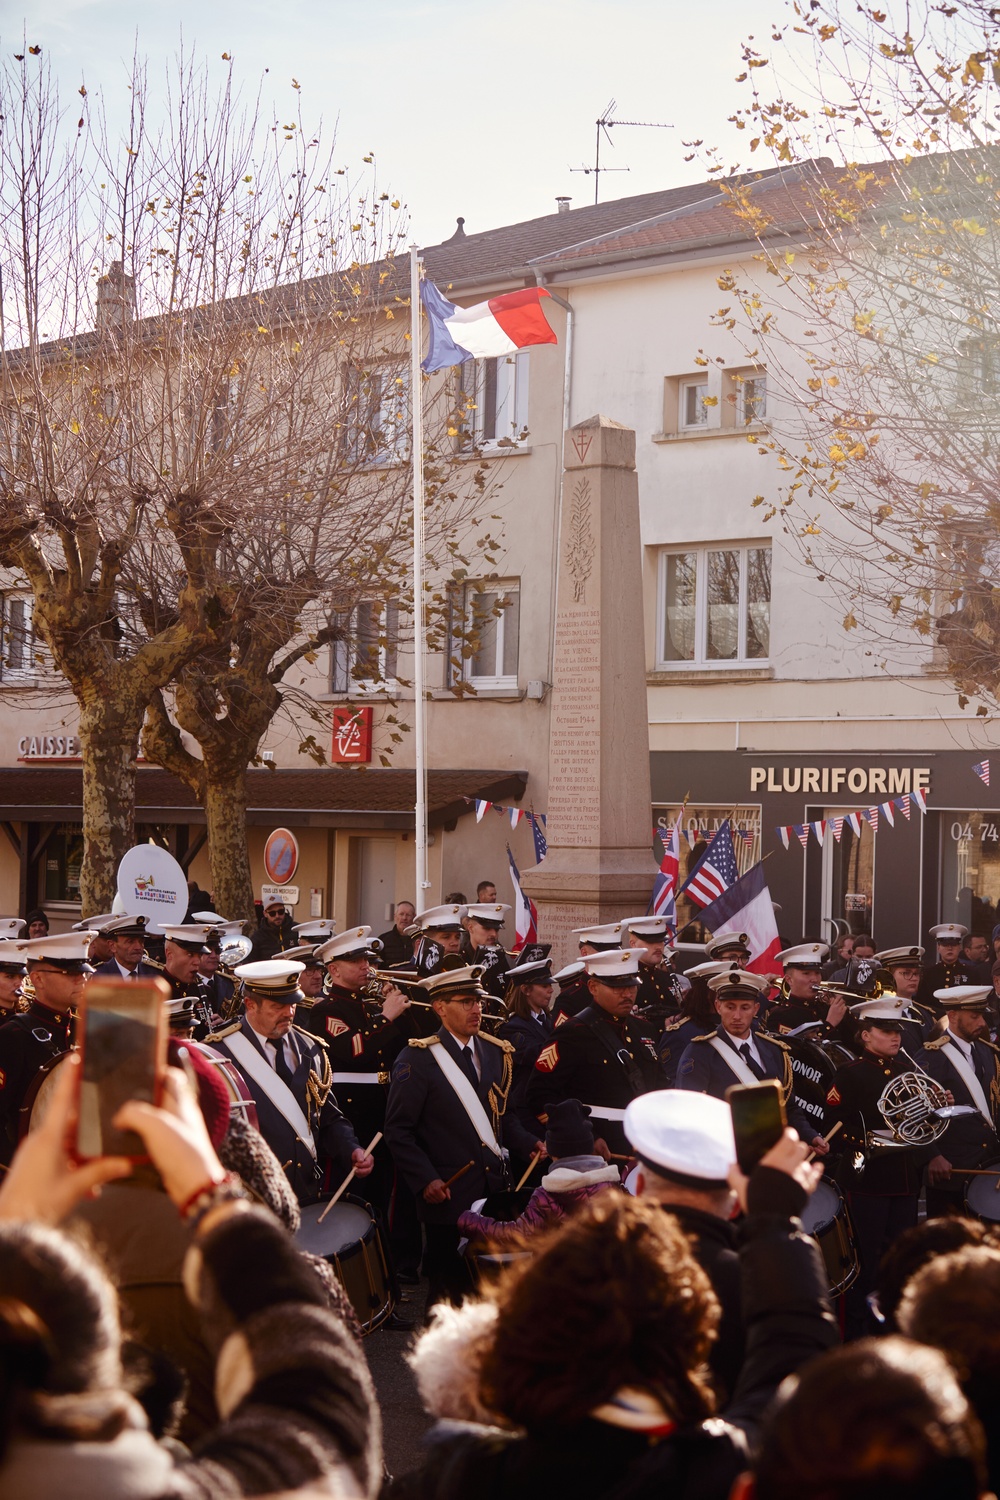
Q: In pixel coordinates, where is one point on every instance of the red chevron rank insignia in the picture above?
(548, 1059)
(336, 1027)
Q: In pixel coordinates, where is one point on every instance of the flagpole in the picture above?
(420, 708)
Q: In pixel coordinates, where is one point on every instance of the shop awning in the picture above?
(354, 797)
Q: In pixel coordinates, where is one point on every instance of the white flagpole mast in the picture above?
(420, 728)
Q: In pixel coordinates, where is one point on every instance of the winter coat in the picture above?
(571, 1182)
(297, 1402)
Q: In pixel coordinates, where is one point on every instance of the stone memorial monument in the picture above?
(599, 865)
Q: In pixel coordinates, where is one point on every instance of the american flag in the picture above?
(714, 872)
(983, 772)
(537, 833)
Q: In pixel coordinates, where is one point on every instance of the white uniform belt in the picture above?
(356, 1078)
(604, 1112)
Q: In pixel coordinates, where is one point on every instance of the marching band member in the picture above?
(289, 1077)
(966, 1063)
(661, 988)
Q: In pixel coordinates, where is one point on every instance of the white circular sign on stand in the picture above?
(152, 884)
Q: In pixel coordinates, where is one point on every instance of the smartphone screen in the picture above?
(123, 1049)
(758, 1120)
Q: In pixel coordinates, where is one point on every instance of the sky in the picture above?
(470, 108)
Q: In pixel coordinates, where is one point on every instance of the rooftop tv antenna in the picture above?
(604, 124)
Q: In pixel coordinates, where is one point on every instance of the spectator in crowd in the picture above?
(198, 900)
(593, 1371)
(976, 958)
(274, 934)
(912, 1250)
(397, 948)
(953, 1303)
(864, 947)
(843, 951)
(36, 924)
(878, 1420)
(68, 1426)
(486, 891)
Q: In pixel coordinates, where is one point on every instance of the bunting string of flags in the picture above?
(871, 815)
(514, 815)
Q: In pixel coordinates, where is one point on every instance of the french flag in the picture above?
(500, 326)
(746, 907)
(525, 912)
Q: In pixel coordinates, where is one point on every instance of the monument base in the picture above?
(570, 892)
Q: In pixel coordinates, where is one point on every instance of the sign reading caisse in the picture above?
(288, 895)
(352, 734)
(281, 856)
(151, 884)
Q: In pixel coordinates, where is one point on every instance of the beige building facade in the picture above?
(760, 707)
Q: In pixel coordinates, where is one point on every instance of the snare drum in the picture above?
(349, 1239)
(240, 1097)
(982, 1195)
(485, 1261)
(827, 1219)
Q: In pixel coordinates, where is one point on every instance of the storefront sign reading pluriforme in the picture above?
(855, 781)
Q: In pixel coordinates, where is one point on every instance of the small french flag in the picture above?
(500, 326)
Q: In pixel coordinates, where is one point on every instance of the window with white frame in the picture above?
(692, 411)
(485, 634)
(976, 370)
(751, 398)
(17, 644)
(714, 605)
(364, 659)
(378, 413)
(494, 395)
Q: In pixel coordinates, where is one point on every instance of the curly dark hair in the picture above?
(613, 1298)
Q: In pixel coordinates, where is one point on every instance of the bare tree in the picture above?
(872, 305)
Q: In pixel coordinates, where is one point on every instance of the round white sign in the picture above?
(152, 884)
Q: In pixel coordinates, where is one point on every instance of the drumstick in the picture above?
(617, 1156)
(976, 1172)
(535, 1159)
(460, 1173)
(828, 1137)
(350, 1177)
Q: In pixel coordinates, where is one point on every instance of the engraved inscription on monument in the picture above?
(580, 540)
(574, 744)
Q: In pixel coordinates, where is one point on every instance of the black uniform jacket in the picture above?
(528, 1038)
(430, 1134)
(968, 1141)
(362, 1047)
(788, 1321)
(853, 1100)
(661, 990)
(944, 977)
(26, 1042)
(702, 1069)
(334, 1138)
(672, 1042)
(602, 1062)
(396, 948)
(573, 997)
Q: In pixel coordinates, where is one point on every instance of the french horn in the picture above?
(915, 1108)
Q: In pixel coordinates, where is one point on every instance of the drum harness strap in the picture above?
(967, 1074)
(275, 1088)
(467, 1097)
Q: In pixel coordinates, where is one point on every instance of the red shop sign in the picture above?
(352, 735)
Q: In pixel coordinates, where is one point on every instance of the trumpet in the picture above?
(373, 990)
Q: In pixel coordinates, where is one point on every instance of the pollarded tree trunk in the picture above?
(109, 738)
(225, 803)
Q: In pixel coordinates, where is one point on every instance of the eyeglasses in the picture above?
(463, 1000)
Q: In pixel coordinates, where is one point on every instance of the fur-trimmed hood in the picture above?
(570, 1174)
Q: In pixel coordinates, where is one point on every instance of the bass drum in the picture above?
(349, 1239)
(827, 1219)
(240, 1097)
(982, 1195)
(38, 1095)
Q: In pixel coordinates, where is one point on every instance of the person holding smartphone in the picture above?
(735, 1052)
